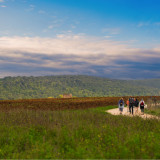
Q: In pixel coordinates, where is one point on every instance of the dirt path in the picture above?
(126, 113)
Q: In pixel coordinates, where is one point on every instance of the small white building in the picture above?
(67, 95)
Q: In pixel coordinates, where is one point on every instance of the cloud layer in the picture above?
(76, 54)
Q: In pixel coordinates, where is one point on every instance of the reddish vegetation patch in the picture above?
(62, 104)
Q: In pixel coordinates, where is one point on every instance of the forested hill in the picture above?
(79, 86)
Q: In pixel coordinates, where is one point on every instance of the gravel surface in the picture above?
(127, 113)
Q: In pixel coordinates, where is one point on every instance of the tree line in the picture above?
(78, 86)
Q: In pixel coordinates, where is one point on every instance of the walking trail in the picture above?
(126, 113)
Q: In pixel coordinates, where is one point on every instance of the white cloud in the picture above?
(31, 8)
(73, 26)
(144, 24)
(50, 27)
(108, 36)
(41, 12)
(157, 23)
(78, 52)
(113, 31)
(70, 44)
(3, 6)
(1, 1)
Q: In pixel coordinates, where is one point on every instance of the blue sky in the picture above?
(109, 38)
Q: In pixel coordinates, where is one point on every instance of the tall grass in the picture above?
(153, 107)
(90, 134)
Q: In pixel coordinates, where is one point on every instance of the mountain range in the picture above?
(77, 85)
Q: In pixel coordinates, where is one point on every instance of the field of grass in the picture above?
(155, 111)
(153, 107)
(68, 134)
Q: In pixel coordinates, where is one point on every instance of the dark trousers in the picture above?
(142, 109)
(131, 108)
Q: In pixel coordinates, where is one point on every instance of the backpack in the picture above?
(131, 100)
(136, 103)
(121, 102)
(142, 103)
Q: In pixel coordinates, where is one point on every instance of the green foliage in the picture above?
(79, 134)
(60, 96)
(78, 86)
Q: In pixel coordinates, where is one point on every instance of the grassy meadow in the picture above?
(153, 108)
(155, 112)
(87, 134)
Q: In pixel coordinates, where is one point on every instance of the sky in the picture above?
(118, 39)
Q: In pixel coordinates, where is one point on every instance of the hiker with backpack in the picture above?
(121, 105)
(127, 103)
(136, 104)
(142, 104)
(131, 104)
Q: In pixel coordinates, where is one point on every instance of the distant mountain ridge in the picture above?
(78, 86)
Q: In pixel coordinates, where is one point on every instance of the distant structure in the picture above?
(67, 95)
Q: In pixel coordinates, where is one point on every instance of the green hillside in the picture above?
(79, 86)
(154, 83)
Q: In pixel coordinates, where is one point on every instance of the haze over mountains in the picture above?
(78, 86)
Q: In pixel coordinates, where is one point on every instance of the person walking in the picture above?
(127, 103)
(131, 104)
(136, 104)
(121, 105)
(142, 104)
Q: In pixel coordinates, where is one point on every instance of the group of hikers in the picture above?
(131, 104)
